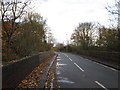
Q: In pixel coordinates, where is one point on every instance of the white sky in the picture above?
(64, 15)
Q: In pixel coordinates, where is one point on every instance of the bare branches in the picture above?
(13, 10)
(83, 35)
(114, 10)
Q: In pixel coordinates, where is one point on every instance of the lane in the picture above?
(70, 75)
(96, 72)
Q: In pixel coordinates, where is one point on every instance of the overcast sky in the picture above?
(64, 15)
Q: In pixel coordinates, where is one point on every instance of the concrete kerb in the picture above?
(46, 73)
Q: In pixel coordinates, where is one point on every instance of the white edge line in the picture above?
(106, 66)
(101, 85)
(79, 67)
(96, 63)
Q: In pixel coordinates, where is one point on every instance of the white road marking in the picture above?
(58, 57)
(51, 86)
(74, 63)
(68, 57)
(96, 63)
(106, 66)
(79, 67)
(101, 85)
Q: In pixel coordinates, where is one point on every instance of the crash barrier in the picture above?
(14, 73)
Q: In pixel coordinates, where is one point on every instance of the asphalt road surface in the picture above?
(74, 71)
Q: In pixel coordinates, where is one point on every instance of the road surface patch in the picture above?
(64, 80)
(58, 72)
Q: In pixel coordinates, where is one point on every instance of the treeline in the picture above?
(94, 37)
(88, 36)
(23, 32)
(94, 41)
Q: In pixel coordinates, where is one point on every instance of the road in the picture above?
(74, 71)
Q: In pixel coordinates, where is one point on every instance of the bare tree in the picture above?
(115, 10)
(83, 35)
(11, 12)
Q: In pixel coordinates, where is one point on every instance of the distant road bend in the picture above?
(74, 71)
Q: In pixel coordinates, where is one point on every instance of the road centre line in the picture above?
(66, 55)
(96, 63)
(70, 59)
(79, 67)
(75, 63)
(99, 64)
(101, 85)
